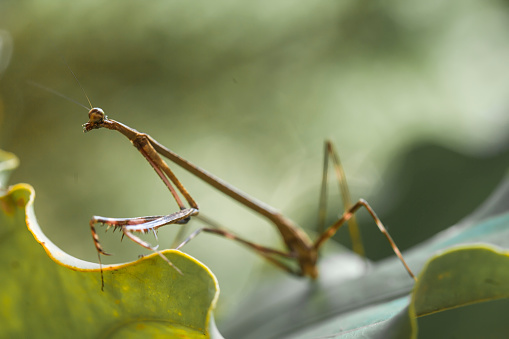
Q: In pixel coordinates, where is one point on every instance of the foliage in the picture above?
(143, 298)
(148, 298)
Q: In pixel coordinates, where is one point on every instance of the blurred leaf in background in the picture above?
(249, 91)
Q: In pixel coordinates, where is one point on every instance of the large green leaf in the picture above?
(59, 296)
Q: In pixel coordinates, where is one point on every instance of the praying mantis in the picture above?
(300, 249)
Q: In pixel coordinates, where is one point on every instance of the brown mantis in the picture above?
(299, 247)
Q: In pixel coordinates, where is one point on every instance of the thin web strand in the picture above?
(56, 93)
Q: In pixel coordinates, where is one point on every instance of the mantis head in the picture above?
(96, 118)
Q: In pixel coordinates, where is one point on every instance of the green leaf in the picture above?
(462, 276)
(352, 298)
(58, 296)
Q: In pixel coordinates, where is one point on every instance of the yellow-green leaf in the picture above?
(59, 296)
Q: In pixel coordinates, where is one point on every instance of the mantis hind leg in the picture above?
(329, 232)
(353, 228)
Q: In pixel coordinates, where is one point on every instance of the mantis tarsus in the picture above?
(299, 247)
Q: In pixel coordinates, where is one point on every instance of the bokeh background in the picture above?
(414, 94)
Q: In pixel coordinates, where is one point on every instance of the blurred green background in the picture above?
(413, 94)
